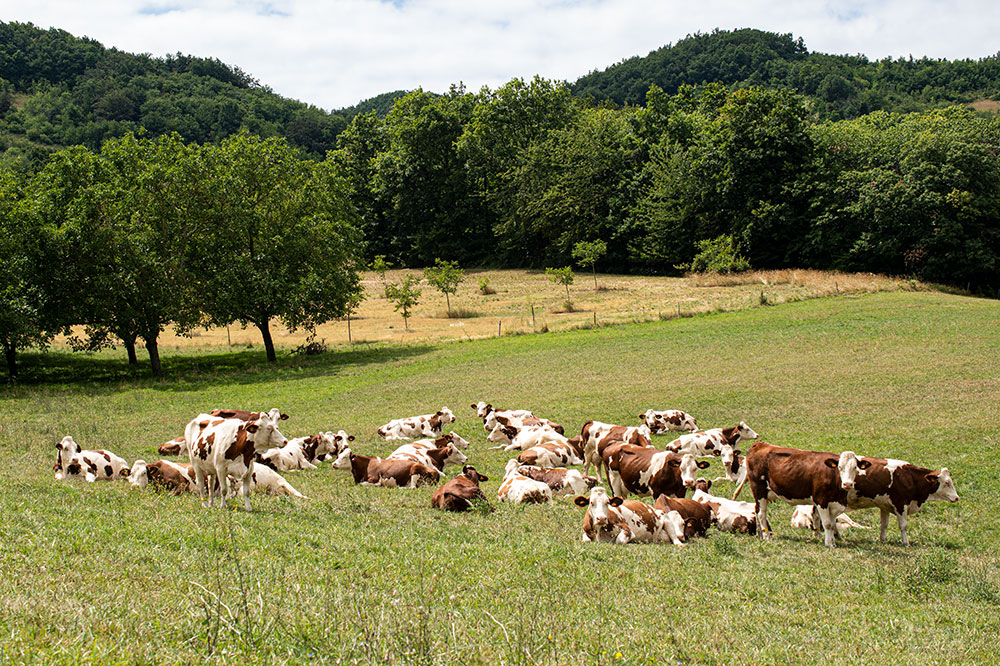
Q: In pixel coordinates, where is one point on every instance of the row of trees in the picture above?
(521, 175)
(149, 233)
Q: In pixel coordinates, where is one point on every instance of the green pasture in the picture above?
(103, 574)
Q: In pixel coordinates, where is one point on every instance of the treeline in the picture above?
(838, 86)
(520, 175)
(57, 90)
(149, 233)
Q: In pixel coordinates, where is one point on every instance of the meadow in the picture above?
(363, 575)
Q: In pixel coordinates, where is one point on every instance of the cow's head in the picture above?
(446, 415)
(327, 444)
(276, 415)
(599, 503)
(454, 455)
(702, 484)
(503, 434)
(344, 460)
(849, 467)
(946, 486)
(264, 433)
(745, 432)
(138, 478)
(511, 467)
(66, 449)
(652, 421)
(730, 459)
(672, 526)
(455, 439)
(341, 440)
(688, 422)
(689, 467)
(482, 409)
(175, 447)
(470, 473)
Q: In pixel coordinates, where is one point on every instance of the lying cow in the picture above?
(489, 415)
(92, 465)
(302, 452)
(596, 435)
(660, 423)
(642, 470)
(518, 488)
(460, 493)
(513, 439)
(730, 515)
(896, 487)
(553, 453)
(429, 454)
(805, 517)
(802, 477)
(163, 474)
(560, 480)
(697, 517)
(710, 442)
(226, 447)
(628, 521)
(411, 427)
(375, 471)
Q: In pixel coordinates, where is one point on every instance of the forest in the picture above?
(214, 209)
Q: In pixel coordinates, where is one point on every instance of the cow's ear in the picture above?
(283, 417)
(674, 463)
(252, 427)
(438, 413)
(932, 477)
(483, 477)
(489, 407)
(616, 501)
(702, 464)
(474, 407)
(831, 463)
(737, 453)
(350, 438)
(581, 500)
(864, 464)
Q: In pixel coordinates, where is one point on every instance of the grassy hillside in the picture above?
(101, 574)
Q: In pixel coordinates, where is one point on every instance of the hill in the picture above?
(841, 86)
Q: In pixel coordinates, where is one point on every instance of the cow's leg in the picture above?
(617, 485)
(246, 488)
(829, 521)
(763, 526)
(590, 457)
(884, 523)
(817, 525)
(902, 519)
(223, 489)
(200, 483)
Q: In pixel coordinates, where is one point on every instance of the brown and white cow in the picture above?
(710, 442)
(561, 480)
(489, 415)
(805, 517)
(553, 453)
(430, 454)
(224, 447)
(301, 452)
(899, 488)
(697, 516)
(460, 493)
(802, 477)
(511, 438)
(628, 521)
(178, 478)
(730, 515)
(411, 427)
(375, 471)
(97, 465)
(641, 470)
(178, 445)
(518, 488)
(662, 422)
(596, 435)
(733, 465)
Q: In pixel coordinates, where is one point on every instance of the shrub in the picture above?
(717, 255)
(485, 288)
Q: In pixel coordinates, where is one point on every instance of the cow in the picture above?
(697, 516)
(798, 476)
(710, 442)
(300, 453)
(553, 454)
(163, 474)
(460, 493)
(561, 480)
(730, 515)
(899, 488)
(805, 517)
(92, 465)
(266, 480)
(733, 465)
(514, 439)
(596, 435)
(375, 471)
(411, 427)
(662, 422)
(223, 447)
(518, 488)
(627, 521)
(489, 415)
(430, 454)
(646, 471)
(178, 445)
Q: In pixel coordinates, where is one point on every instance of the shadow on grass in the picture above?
(194, 371)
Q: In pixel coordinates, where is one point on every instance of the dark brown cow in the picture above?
(459, 493)
(646, 471)
(374, 471)
(896, 487)
(697, 516)
(597, 435)
(178, 478)
(802, 477)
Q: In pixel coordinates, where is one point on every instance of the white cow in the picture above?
(518, 488)
(92, 465)
(410, 427)
(710, 442)
(661, 422)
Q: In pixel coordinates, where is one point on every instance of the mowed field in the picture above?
(103, 574)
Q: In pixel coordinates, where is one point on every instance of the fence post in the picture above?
(532, 316)
(499, 322)
(349, 328)
(595, 318)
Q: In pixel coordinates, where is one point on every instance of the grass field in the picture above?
(101, 574)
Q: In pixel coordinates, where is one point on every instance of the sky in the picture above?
(335, 53)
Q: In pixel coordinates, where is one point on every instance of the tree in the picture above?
(405, 296)
(277, 239)
(588, 253)
(445, 276)
(380, 266)
(563, 276)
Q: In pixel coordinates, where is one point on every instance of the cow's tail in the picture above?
(289, 490)
(739, 488)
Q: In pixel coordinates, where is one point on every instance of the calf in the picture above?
(660, 423)
(802, 477)
(459, 493)
(630, 520)
(163, 474)
(518, 488)
(429, 455)
(411, 427)
(374, 471)
(697, 517)
(224, 447)
(553, 454)
(646, 471)
(730, 515)
(896, 487)
(805, 517)
(710, 442)
(92, 465)
(597, 435)
(561, 480)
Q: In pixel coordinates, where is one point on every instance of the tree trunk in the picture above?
(130, 348)
(11, 353)
(154, 355)
(265, 332)
(448, 301)
(593, 267)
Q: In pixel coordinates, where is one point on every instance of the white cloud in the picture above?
(336, 53)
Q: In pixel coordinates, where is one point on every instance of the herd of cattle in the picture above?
(234, 452)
